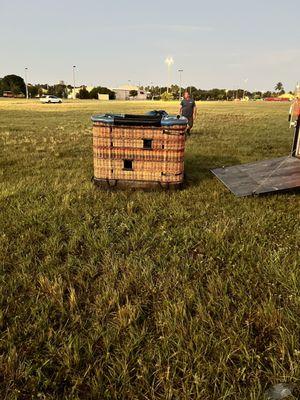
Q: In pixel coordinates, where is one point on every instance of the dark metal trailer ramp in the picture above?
(268, 176)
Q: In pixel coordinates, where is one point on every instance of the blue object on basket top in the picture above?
(152, 118)
(170, 120)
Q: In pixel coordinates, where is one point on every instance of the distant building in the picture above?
(123, 93)
(279, 98)
(287, 97)
(103, 96)
(8, 93)
(89, 88)
(77, 90)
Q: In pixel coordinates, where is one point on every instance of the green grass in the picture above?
(144, 295)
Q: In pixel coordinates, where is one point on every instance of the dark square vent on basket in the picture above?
(127, 165)
(147, 143)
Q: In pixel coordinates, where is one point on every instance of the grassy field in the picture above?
(144, 295)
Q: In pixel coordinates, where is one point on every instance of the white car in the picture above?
(50, 99)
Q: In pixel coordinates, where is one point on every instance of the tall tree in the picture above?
(13, 83)
(167, 96)
(133, 93)
(83, 94)
(33, 90)
(279, 87)
(102, 90)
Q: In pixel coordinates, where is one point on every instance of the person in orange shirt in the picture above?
(294, 120)
(294, 111)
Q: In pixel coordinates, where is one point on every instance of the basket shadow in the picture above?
(197, 167)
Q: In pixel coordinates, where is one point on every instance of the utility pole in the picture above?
(297, 90)
(26, 82)
(180, 72)
(74, 87)
(246, 80)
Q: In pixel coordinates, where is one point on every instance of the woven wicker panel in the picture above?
(136, 154)
(142, 170)
(164, 162)
(165, 143)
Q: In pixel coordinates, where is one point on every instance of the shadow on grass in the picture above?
(197, 167)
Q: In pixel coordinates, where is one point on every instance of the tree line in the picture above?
(16, 85)
(93, 94)
(174, 92)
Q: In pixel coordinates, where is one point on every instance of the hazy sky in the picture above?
(218, 43)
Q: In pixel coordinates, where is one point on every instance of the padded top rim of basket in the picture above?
(167, 120)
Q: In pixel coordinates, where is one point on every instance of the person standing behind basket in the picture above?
(188, 109)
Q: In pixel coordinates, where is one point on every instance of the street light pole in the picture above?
(297, 90)
(180, 72)
(246, 80)
(26, 83)
(74, 87)
(169, 61)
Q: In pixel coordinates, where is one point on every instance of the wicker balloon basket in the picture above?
(138, 156)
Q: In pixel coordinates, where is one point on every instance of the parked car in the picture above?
(50, 99)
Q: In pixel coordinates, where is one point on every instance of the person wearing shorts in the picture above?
(188, 109)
